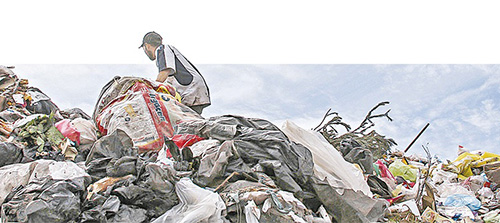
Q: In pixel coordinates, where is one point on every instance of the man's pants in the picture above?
(198, 108)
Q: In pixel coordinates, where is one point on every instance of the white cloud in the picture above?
(485, 118)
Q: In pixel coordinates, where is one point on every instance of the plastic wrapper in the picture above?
(486, 192)
(440, 176)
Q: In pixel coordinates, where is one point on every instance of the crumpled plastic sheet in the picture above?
(21, 174)
(153, 191)
(257, 202)
(201, 147)
(44, 200)
(252, 141)
(10, 153)
(41, 103)
(440, 176)
(213, 164)
(144, 186)
(114, 145)
(196, 205)
(112, 210)
(351, 206)
(378, 186)
(328, 162)
(338, 184)
(405, 206)
(74, 113)
(354, 152)
(43, 191)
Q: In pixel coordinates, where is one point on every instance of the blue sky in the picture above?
(461, 102)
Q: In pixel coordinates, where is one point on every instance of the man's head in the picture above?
(150, 42)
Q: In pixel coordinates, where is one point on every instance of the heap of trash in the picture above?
(143, 156)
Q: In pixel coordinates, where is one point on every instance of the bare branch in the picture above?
(324, 117)
(367, 122)
(328, 129)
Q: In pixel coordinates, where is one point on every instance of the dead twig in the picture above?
(226, 180)
(328, 129)
(367, 122)
(422, 185)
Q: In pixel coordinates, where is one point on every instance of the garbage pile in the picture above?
(143, 156)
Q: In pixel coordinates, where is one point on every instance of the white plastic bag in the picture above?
(22, 173)
(87, 129)
(196, 205)
(328, 162)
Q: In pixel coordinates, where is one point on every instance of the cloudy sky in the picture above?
(280, 60)
(461, 102)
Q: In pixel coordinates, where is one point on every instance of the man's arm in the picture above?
(163, 75)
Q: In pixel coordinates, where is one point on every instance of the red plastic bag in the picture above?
(68, 130)
(384, 171)
(184, 140)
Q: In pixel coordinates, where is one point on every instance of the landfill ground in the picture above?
(143, 156)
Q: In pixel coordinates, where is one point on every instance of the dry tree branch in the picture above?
(367, 122)
(328, 129)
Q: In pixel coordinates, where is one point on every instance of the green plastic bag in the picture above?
(398, 168)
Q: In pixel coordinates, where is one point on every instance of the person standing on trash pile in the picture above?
(174, 68)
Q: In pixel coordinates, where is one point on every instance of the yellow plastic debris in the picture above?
(462, 164)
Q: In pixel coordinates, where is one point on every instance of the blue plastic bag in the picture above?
(459, 200)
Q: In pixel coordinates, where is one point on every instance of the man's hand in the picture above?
(163, 75)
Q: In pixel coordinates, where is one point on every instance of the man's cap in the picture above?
(152, 38)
